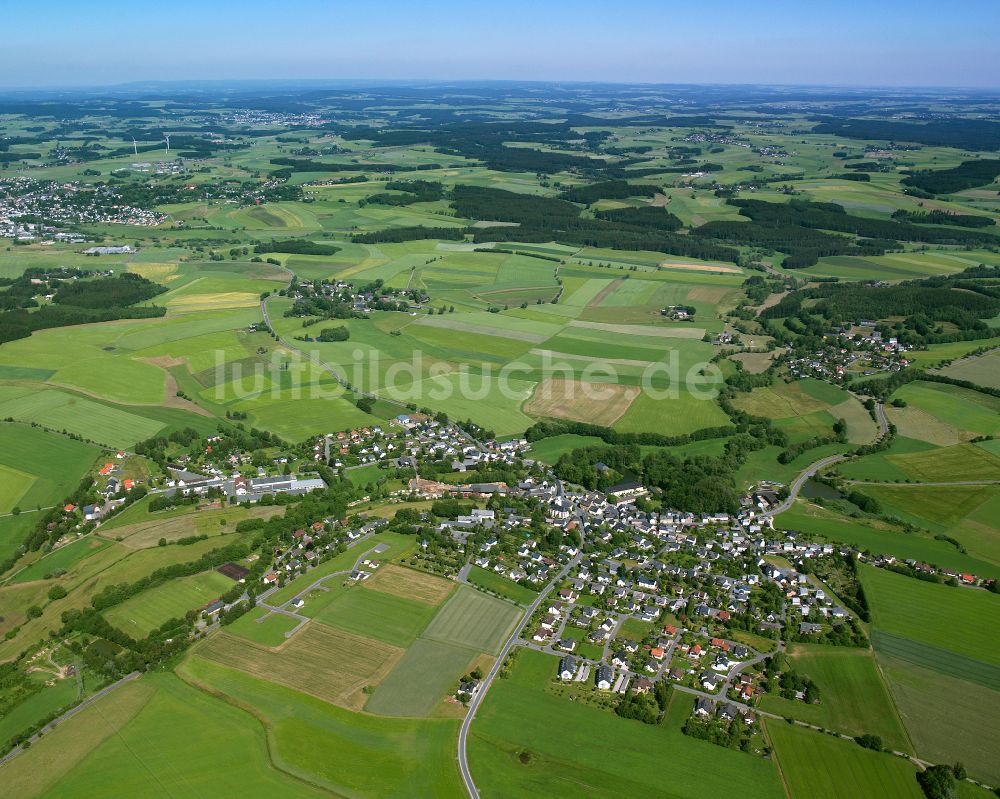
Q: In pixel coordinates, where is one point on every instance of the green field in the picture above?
(959, 620)
(879, 538)
(350, 754)
(263, 627)
(983, 370)
(492, 581)
(144, 612)
(854, 698)
(474, 620)
(373, 614)
(193, 743)
(421, 679)
(818, 766)
(63, 558)
(960, 408)
(528, 743)
(947, 719)
(46, 465)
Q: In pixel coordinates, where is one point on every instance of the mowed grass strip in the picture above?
(318, 660)
(956, 619)
(421, 679)
(410, 584)
(818, 766)
(475, 620)
(141, 614)
(374, 614)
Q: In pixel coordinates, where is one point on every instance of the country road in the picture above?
(463, 733)
(813, 468)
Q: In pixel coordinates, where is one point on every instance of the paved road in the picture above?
(813, 468)
(70, 713)
(463, 762)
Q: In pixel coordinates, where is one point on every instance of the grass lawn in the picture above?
(421, 679)
(854, 698)
(261, 628)
(349, 754)
(141, 614)
(818, 766)
(501, 585)
(957, 619)
(475, 620)
(526, 742)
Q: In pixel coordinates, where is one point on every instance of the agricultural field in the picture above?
(816, 765)
(958, 620)
(879, 537)
(335, 748)
(330, 664)
(474, 620)
(526, 741)
(983, 370)
(854, 699)
(315, 262)
(38, 468)
(947, 718)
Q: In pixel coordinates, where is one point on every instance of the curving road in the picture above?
(813, 468)
(463, 733)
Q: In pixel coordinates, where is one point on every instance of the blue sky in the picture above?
(878, 42)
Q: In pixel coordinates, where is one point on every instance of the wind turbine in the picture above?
(166, 138)
(135, 146)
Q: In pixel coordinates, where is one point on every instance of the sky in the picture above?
(849, 42)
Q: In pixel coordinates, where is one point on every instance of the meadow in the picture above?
(527, 742)
(263, 627)
(959, 620)
(375, 614)
(349, 754)
(39, 468)
(854, 699)
(818, 766)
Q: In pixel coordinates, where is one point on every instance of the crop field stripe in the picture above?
(936, 659)
(473, 619)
